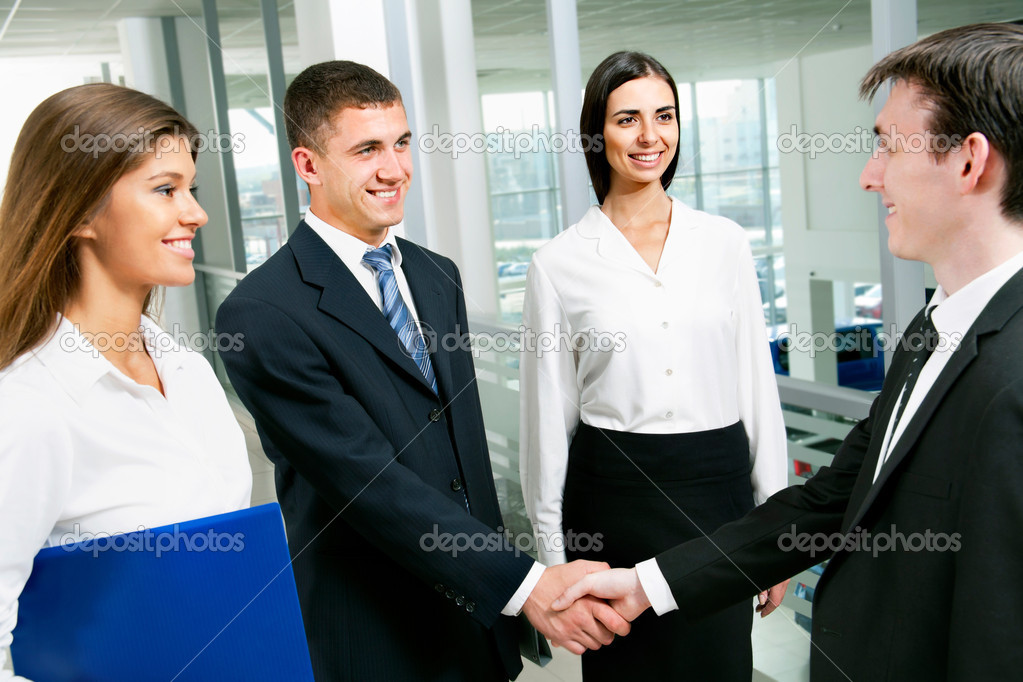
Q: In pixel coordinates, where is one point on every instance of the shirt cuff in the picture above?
(656, 587)
(518, 600)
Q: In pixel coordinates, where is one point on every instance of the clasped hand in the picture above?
(585, 622)
(622, 589)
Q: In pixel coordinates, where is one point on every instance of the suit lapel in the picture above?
(435, 311)
(959, 361)
(344, 299)
(1003, 305)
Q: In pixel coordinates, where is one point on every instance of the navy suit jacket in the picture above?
(371, 466)
(946, 609)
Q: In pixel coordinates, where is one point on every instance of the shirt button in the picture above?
(456, 485)
(668, 372)
(657, 284)
(668, 415)
(664, 325)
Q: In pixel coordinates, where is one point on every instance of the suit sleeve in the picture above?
(286, 383)
(986, 624)
(749, 555)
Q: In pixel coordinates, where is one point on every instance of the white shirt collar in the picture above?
(614, 245)
(348, 248)
(595, 224)
(77, 365)
(957, 312)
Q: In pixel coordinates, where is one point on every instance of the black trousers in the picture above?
(635, 495)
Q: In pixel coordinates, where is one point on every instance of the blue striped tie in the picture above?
(397, 313)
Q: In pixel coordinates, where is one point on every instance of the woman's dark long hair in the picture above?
(610, 74)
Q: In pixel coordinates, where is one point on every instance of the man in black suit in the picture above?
(382, 468)
(921, 510)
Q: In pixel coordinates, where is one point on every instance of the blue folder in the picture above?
(209, 599)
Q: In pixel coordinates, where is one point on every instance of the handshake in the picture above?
(584, 604)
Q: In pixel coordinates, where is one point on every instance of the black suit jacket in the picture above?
(948, 609)
(371, 466)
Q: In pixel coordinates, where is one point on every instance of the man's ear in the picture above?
(972, 160)
(306, 162)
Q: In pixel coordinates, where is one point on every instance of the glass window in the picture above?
(257, 164)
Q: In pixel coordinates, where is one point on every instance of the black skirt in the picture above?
(630, 496)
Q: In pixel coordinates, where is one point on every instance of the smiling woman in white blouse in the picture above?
(656, 417)
(106, 424)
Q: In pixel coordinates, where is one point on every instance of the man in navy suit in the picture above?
(921, 512)
(377, 435)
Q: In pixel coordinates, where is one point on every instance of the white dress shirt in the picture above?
(677, 351)
(350, 250)
(952, 315)
(86, 449)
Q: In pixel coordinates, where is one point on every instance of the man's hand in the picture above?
(587, 624)
(770, 599)
(620, 586)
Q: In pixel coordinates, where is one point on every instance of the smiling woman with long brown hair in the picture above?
(106, 424)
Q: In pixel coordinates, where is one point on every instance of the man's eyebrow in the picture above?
(376, 143)
(365, 143)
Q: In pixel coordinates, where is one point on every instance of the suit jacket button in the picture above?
(460, 599)
(439, 587)
(470, 607)
(456, 485)
(450, 594)
(435, 415)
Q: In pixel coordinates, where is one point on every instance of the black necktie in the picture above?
(921, 343)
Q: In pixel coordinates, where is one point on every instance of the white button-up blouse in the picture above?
(85, 449)
(611, 343)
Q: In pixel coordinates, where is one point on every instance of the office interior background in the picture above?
(773, 137)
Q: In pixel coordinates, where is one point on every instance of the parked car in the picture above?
(860, 360)
(868, 303)
(512, 270)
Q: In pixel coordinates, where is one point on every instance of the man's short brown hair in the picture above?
(320, 92)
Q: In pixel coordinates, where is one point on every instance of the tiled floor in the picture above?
(781, 653)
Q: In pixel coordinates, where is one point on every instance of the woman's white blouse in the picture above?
(609, 342)
(84, 448)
